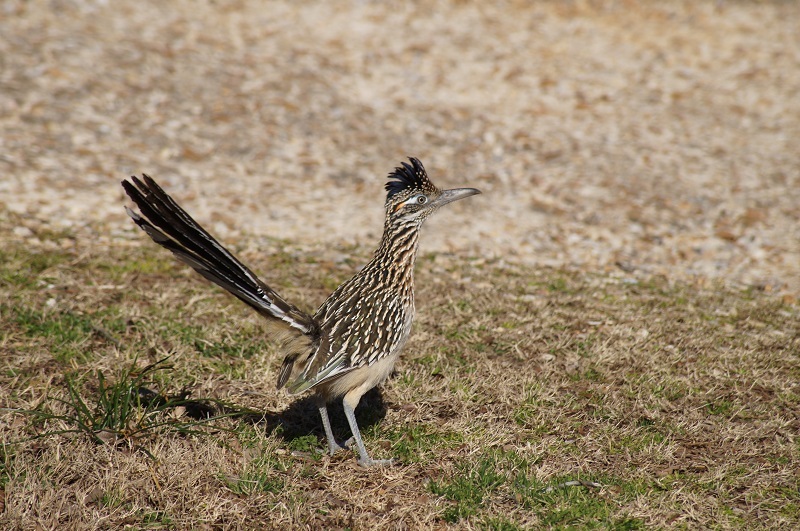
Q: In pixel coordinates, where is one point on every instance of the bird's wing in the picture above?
(357, 329)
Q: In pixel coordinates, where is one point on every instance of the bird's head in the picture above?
(411, 196)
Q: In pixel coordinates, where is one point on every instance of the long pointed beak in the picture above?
(448, 196)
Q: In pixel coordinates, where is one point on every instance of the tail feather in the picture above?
(171, 227)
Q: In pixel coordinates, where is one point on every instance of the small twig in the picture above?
(155, 479)
(105, 334)
(577, 483)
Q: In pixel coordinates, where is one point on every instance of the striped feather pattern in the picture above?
(369, 316)
(364, 323)
(171, 227)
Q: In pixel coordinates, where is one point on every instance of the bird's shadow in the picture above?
(300, 419)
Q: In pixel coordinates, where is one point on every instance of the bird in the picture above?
(351, 343)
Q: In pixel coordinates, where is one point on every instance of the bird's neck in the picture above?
(399, 247)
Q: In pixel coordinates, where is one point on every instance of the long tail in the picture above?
(171, 227)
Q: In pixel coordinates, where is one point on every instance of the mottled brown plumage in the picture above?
(351, 343)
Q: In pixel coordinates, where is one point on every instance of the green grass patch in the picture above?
(67, 334)
(260, 475)
(28, 269)
(309, 444)
(416, 443)
(560, 503)
(121, 410)
(468, 487)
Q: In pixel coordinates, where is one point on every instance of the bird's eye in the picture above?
(422, 199)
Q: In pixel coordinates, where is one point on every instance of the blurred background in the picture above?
(611, 136)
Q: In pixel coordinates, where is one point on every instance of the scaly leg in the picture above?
(350, 403)
(333, 446)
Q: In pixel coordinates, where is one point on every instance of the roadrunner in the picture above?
(351, 343)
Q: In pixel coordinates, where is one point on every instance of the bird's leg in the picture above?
(333, 446)
(350, 402)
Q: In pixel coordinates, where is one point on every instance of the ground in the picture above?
(617, 308)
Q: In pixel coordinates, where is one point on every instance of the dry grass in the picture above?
(681, 400)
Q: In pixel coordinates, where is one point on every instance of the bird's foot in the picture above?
(369, 462)
(335, 446)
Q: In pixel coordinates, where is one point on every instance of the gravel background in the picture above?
(660, 139)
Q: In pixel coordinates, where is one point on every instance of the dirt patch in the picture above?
(656, 139)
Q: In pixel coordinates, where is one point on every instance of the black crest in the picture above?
(408, 177)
